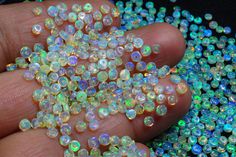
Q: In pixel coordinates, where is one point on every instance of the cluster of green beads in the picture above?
(209, 68)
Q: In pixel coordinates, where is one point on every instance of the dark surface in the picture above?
(223, 11)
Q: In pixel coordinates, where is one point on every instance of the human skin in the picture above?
(16, 93)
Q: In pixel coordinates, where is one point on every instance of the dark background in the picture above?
(223, 11)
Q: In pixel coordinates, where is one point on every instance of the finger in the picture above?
(38, 146)
(14, 81)
(17, 21)
(21, 106)
(114, 125)
(170, 40)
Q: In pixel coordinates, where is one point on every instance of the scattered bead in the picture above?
(149, 121)
(37, 11)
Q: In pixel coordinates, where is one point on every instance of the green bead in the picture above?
(74, 146)
(102, 76)
(181, 123)
(161, 110)
(81, 96)
(146, 50)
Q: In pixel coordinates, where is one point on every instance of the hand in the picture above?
(16, 93)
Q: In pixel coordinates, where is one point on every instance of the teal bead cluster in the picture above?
(209, 68)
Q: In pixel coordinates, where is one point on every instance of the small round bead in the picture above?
(74, 146)
(25, 125)
(181, 88)
(149, 121)
(65, 140)
(146, 50)
(37, 11)
(161, 110)
(104, 139)
(53, 11)
(131, 114)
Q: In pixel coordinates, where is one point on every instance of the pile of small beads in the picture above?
(209, 68)
(82, 69)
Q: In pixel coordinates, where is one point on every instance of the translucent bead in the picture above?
(65, 140)
(104, 139)
(72, 17)
(103, 112)
(159, 89)
(161, 98)
(102, 76)
(80, 126)
(107, 20)
(68, 153)
(175, 79)
(88, 8)
(74, 146)
(98, 26)
(94, 125)
(105, 9)
(172, 100)
(169, 89)
(93, 142)
(83, 153)
(181, 88)
(161, 110)
(55, 66)
(37, 11)
(149, 106)
(25, 52)
(65, 129)
(146, 50)
(126, 141)
(149, 121)
(136, 56)
(52, 11)
(138, 42)
(102, 64)
(36, 29)
(72, 61)
(81, 96)
(113, 74)
(131, 114)
(115, 12)
(97, 15)
(25, 125)
(52, 132)
(125, 74)
(29, 75)
(79, 24)
(114, 140)
(49, 23)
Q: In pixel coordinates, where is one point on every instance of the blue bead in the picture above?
(228, 128)
(159, 151)
(227, 57)
(214, 101)
(83, 85)
(91, 91)
(196, 149)
(129, 66)
(167, 145)
(207, 32)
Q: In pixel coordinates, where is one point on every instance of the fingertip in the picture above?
(170, 40)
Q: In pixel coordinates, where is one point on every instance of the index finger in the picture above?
(17, 21)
